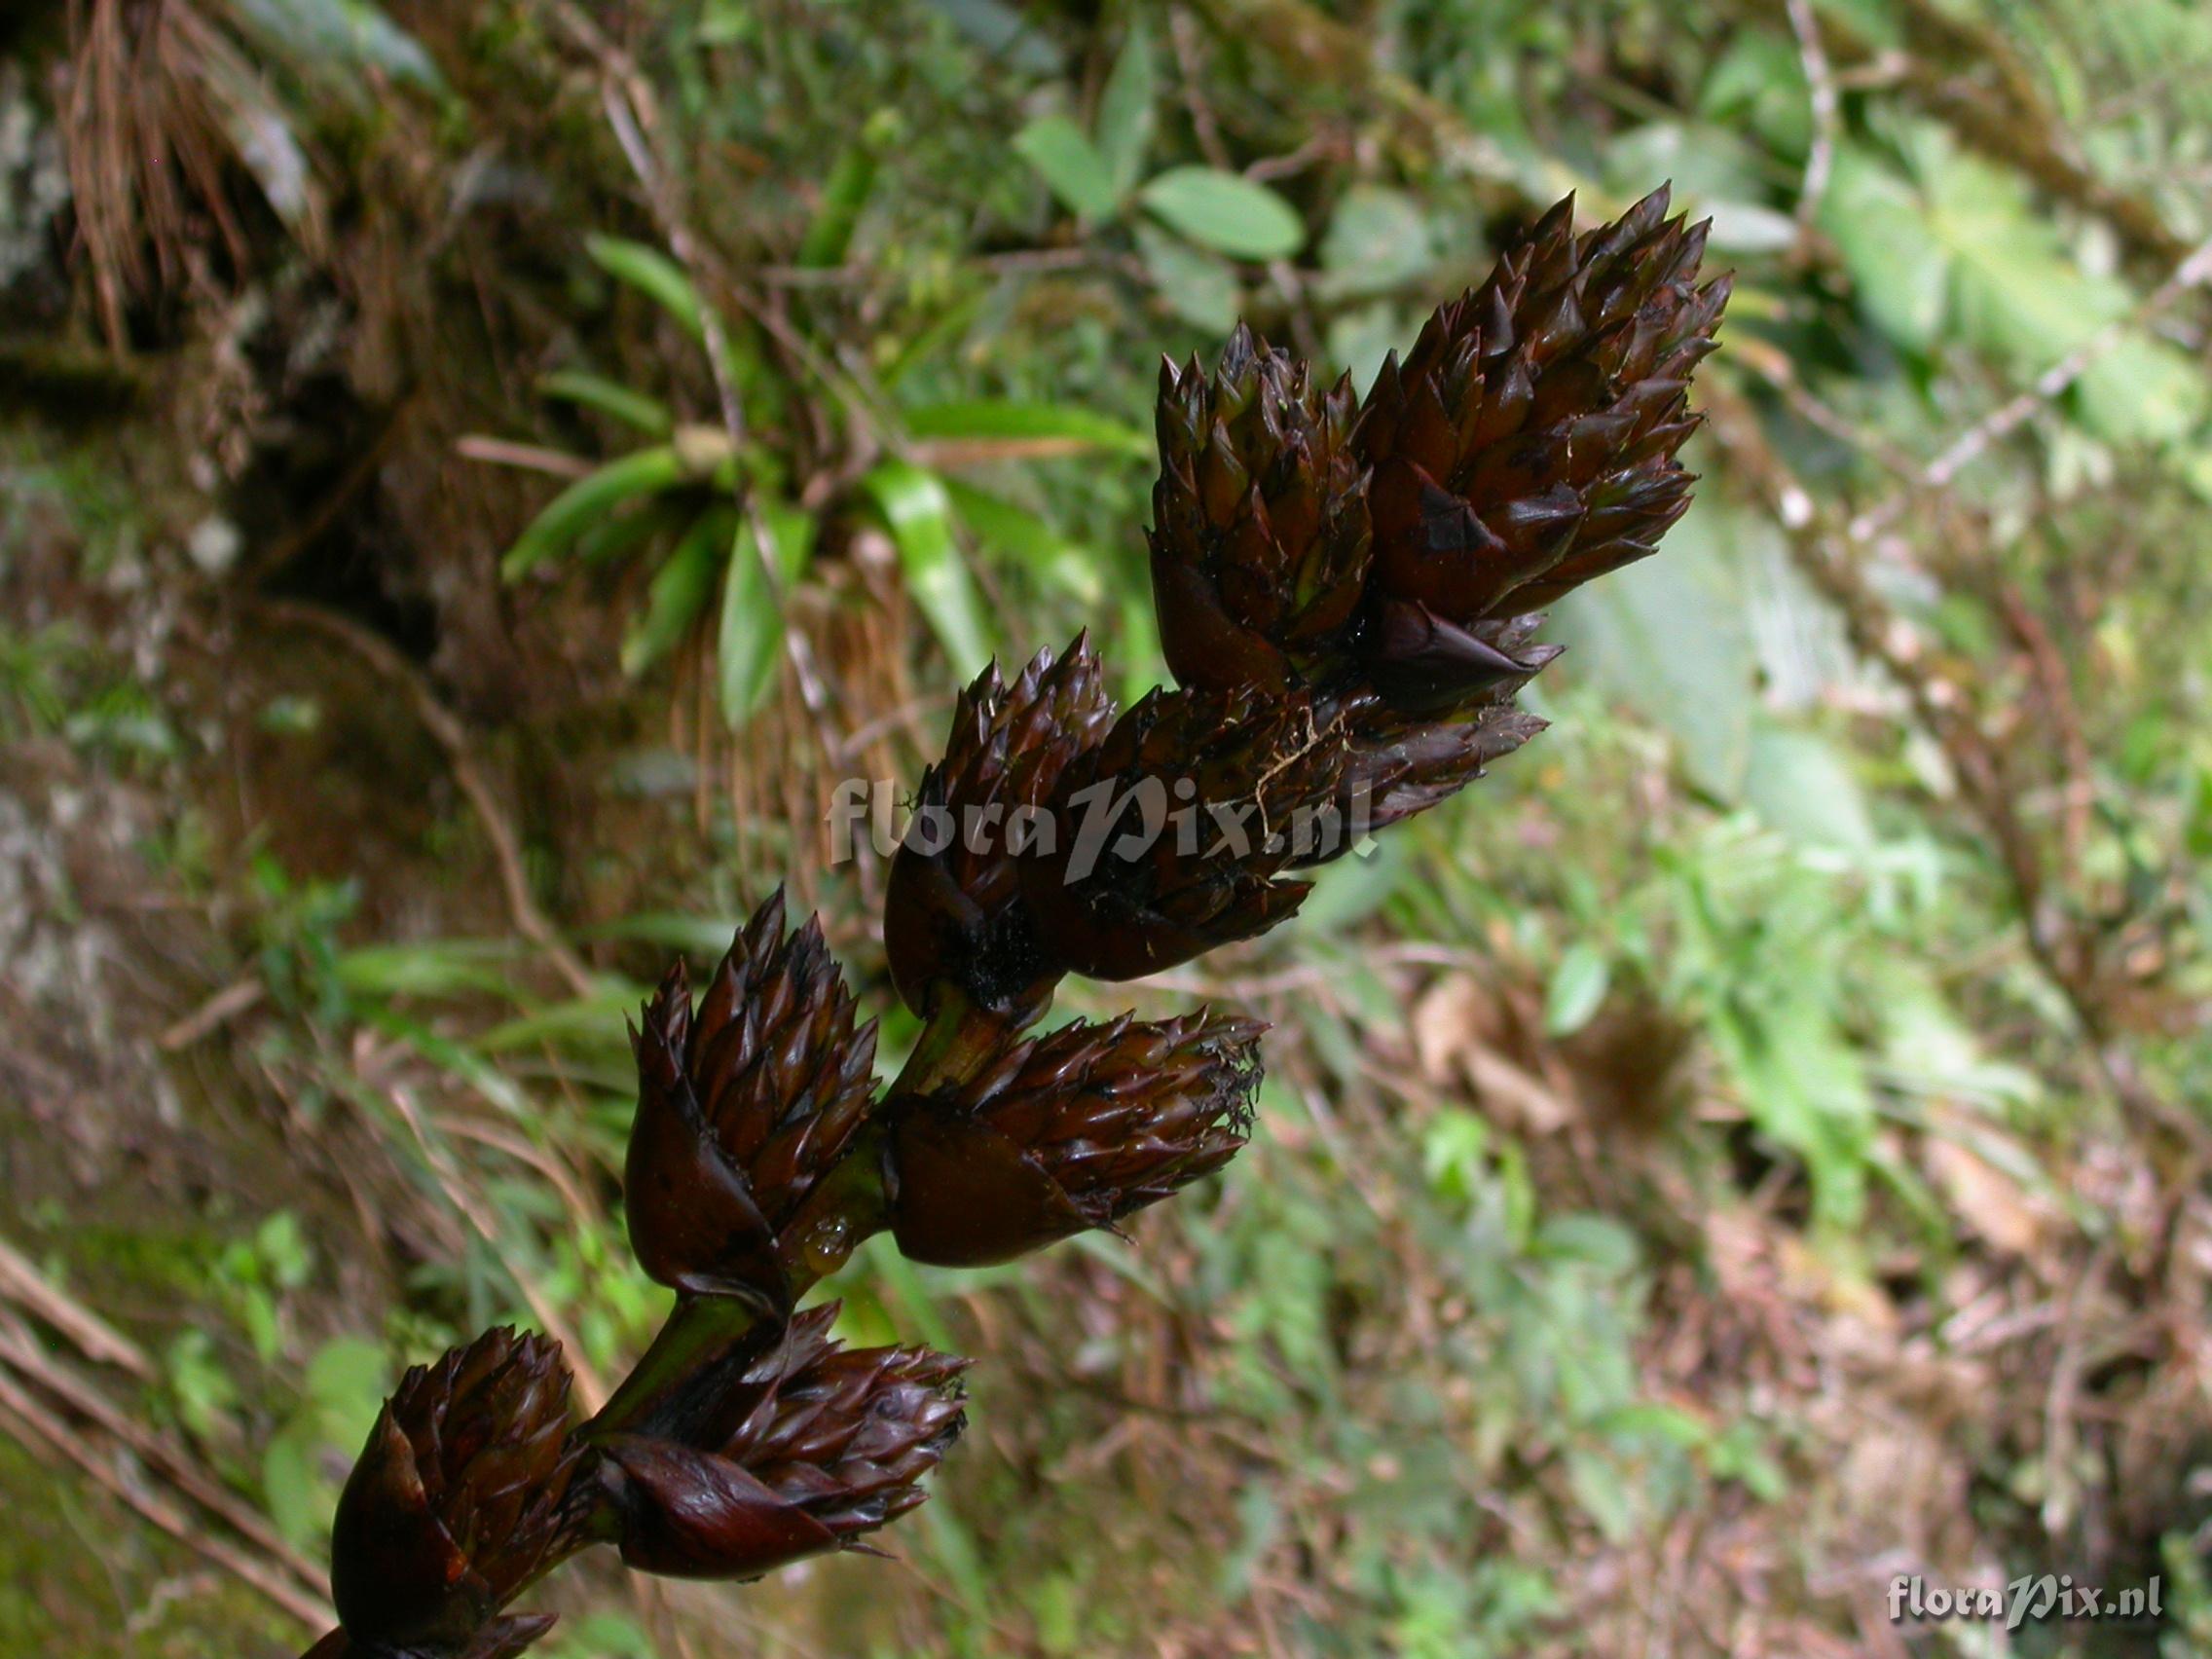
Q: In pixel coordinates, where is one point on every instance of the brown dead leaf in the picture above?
(1454, 1040)
(1993, 1204)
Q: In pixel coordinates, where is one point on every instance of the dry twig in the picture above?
(1820, 162)
(22, 1351)
(21, 1283)
(32, 1425)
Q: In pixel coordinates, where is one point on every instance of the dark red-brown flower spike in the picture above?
(1347, 596)
(1171, 832)
(1391, 568)
(953, 914)
(1527, 443)
(830, 1444)
(742, 1108)
(463, 1491)
(1077, 1129)
(1260, 534)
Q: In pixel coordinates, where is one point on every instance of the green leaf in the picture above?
(1350, 891)
(622, 532)
(1955, 243)
(1198, 287)
(1125, 110)
(346, 1380)
(680, 592)
(1902, 272)
(1804, 788)
(1704, 164)
(1001, 418)
(653, 273)
(351, 34)
(751, 644)
(1225, 213)
(428, 968)
(1025, 538)
(608, 397)
(293, 1488)
(1070, 163)
(2141, 391)
(583, 504)
(918, 513)
(1669, 638)
(1597, 1240)
(1804, 1084)
(1758, 84)
(1577, 987)
(851, 181)
(1748, 227)
(1606, 1497)
(1377, 240)
(601, 1636)
(1361, 338)
(1005, 36)
(575, 1025)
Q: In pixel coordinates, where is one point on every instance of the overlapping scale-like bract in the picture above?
(463, 1491)
(743, 1105)
(1172, 830)
(953, 913)
(1526, 442)
(1077, 1129)
(827, 1444)
(1391, 565)
(1260, 534)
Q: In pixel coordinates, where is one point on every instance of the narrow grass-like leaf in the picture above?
(1003, 418)
(749, 642)
(610, 398)
(429, 968)
(680, 591)
(852, 180)
(1027, 540)
(583, 504)
(653, 273)
(918, 513)
(624, 533)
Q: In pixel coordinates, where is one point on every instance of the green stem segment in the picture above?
(702, 1334)
(958, 1039)
(673, 1387)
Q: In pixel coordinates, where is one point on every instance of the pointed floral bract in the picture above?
(461, 1492)
(1526, 442)
(1172, 830)
(1260, 534)
(1077, 1129)
(953, 914)
(743, 1105)
(828, 1444)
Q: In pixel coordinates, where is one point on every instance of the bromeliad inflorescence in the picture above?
(1347, 592)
